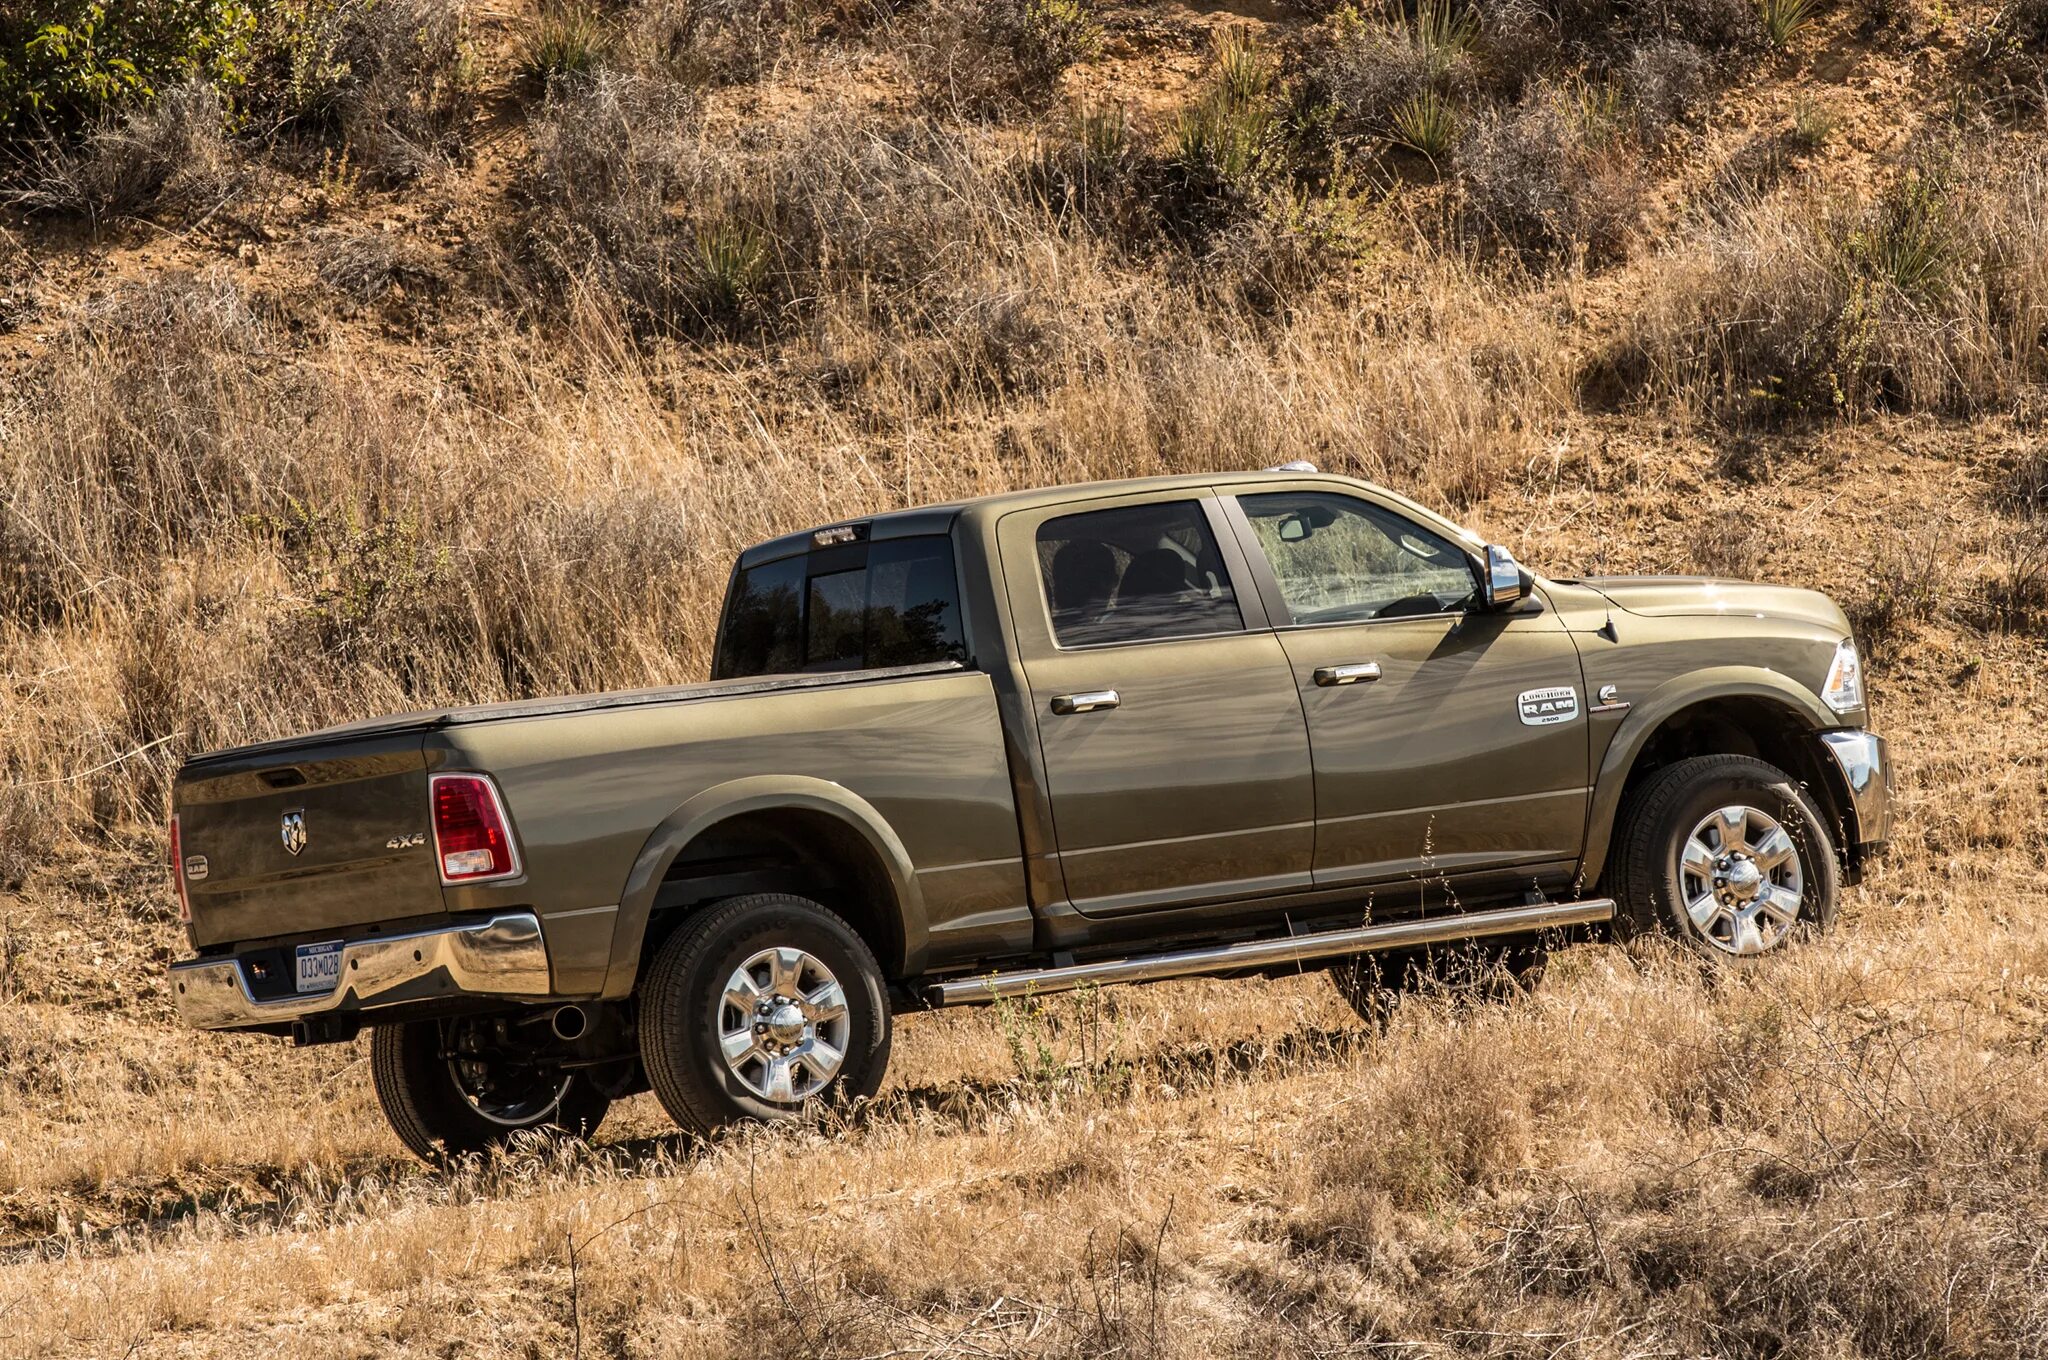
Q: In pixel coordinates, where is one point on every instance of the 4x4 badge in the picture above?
(1542, 707)
(295, 831)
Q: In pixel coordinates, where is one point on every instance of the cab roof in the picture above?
(938, 519)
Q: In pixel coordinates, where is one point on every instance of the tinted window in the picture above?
(894, 603)
(1339, 559)
(763, 632)
(1137, 573)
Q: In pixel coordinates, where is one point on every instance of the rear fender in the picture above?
(762, 793)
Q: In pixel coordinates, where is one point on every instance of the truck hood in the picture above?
(1701, 596)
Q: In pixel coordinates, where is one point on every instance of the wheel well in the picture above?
(1744, 727)
(791, 850)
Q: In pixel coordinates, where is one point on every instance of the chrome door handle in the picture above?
(1347, 675)
(1087, 701)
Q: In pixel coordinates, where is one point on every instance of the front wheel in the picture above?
(450, 1087)
(758, 1008)
(1728, 853)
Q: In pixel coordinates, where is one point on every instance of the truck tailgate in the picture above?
(305, 839)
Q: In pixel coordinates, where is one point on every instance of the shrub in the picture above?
(1380, 72)
(365, 266)
(1665, 84)
(1549, 179)
(1924, 297)
(1223, 142)
(64, 63)
(392, 80)
(608, 155)
(701, 41)
(566, 39)
(171, 151)
(2007, 53)
(987, 55)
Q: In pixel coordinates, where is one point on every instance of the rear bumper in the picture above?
(504, 957)
(1867, 775)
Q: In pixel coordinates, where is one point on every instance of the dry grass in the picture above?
(502, 434)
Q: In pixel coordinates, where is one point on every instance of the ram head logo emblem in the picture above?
(295, 830)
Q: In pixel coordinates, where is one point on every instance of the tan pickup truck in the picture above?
(1235, 724)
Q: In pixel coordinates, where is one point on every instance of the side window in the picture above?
(913, 603)
(1133, 574)
(1339, 559)
(893, 603)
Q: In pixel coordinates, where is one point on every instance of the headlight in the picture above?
(1843, 691)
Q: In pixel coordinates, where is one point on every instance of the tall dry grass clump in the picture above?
(1930, 294)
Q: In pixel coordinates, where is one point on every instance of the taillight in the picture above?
(472, 835)
(178, 871)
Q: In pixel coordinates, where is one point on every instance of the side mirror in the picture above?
(1505, 582)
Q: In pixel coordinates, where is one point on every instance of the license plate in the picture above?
(320, 966)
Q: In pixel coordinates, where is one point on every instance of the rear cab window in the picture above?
(843, 607)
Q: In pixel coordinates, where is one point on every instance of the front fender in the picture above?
(760, 793)
(1667, 701)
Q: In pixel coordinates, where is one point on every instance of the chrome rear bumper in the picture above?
(502, 957)
(1867, 772)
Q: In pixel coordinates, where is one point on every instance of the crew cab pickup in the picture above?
(1234, 724)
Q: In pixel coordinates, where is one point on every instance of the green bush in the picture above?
(64, 62)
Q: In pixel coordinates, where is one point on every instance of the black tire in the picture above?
(1643, 870)
(1483, 971)
(683, 1006)
(422, 1098)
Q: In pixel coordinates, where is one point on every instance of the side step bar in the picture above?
(1230, 958)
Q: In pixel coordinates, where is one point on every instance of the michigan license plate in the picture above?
(319, 966)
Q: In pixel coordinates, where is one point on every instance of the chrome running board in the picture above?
(1230, 958)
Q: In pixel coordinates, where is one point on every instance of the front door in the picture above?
(1450, 744)
(1176, 754)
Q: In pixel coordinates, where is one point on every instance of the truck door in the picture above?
(1175, 751)
(1449, 743)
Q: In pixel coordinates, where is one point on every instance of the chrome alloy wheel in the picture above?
(1741, 880)
(783, 1026)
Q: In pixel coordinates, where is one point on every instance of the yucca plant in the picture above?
(731, 267)
(1225, 133)
(1427, 124)
(1442, 30)
(1783, 19)
(566, 40)
(1909, 241)
(1242, 74)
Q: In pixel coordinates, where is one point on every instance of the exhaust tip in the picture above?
(569, 1023)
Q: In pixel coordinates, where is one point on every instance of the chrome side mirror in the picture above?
(1505, 582)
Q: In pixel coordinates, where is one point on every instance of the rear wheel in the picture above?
(1728, 853)
(450, 1087)
(758, 1008)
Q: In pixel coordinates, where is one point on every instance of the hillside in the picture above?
(412, 352)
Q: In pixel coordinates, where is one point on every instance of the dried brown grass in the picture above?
(221, 518)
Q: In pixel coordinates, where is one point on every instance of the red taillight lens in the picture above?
(178, 871)
(472, 838)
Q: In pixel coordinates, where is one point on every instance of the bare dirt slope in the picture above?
(313, 428)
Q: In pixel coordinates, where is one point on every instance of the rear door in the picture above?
(1175, 751)
(1448, 743)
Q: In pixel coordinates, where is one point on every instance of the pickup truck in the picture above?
(1236, 724)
